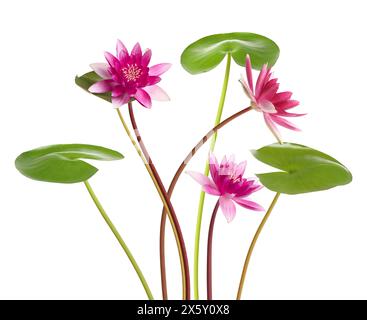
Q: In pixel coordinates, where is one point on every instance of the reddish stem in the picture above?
(171, 209)
(209, 275)
(171, 188)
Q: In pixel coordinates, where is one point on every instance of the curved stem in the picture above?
(165, 205)
(209, 276)
(171, 212)
(134, 143)
(206, 172)
(253, 243)
(201, 142)
(174, 181)
(217, 125)
(120, 240)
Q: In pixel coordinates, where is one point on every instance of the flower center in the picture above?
(131, 72)
(230, 172)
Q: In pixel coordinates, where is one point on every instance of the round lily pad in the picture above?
(206, 53)
(62, 162)
(303, 169)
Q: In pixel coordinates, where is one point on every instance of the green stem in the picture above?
(120, 240)
(206, 172)
(253, 243)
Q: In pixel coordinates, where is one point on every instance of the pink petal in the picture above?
(269, 90)
(270, 83)
(248, 204)
(232, 158)
(136, 52)
(269, 122)
(251, 187)
(267, 106)
(249, 73)
(284, 123)
(101, 69)
(120, 46)
(112, 60)
(152, 80)
(159, 69)
(285, 105)
(117, 91)
(200, 178)
(267, 76)
(228, 208)
(247, 90)
(120, 100)
(121, 50)
(123, 57)
(143, 97)
(146, 57)
(282, 96)
(223, 170)
(289, 114)
(102, 86)
(157, 93)
(260, 80)
(255, 188)
(209, 189)
(241, 167)
(207, 185)
(213, 165)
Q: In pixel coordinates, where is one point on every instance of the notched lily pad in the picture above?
(62, 162)
(303, 169)
(206, 53)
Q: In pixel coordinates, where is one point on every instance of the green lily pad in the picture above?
(206, 53)
(62, 162)
(86, 80)
(303, 169)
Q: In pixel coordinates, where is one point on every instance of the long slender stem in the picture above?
(171, 211)
(222, 99)
(209, 275)
(174, 181)
(165, 205)
(253, 243)
(120, 240)
(206, 172)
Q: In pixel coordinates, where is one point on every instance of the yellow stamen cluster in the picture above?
(132, 72)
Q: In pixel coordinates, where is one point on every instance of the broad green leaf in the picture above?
(86, 80)
(62, 162)
(303, 169)
(206, 53)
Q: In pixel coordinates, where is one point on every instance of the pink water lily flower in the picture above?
(128, 76)
(265, 98)
(228, 183)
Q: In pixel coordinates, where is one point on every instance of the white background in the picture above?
(53, 242)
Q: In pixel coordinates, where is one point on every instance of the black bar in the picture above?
(216, 309)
